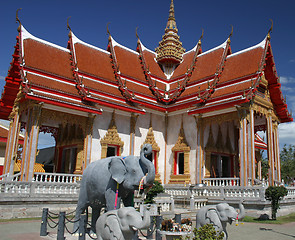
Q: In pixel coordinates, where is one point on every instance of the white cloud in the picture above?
(2, 77)
(45, 140)
(285, 80)
(287, 134)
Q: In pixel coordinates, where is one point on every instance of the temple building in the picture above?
(201, 111)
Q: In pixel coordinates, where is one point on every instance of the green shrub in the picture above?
(153, 192)
(207, 232)
(275, 194)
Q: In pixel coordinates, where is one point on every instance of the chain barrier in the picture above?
(49, 219)
(70, 232)
(52, 220)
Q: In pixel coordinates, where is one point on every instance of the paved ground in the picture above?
(30, 230)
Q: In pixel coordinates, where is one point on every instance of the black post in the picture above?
(43, 230)
(149, 231)
(82, 227)
(178, 218)
(61, 226)
(158, 226)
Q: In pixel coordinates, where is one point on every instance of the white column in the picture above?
(200, 152)
(30, 143)
(243, 143)
(270, 152)
(12, 144)
(277, 153)
(88, 141)
(251, 148)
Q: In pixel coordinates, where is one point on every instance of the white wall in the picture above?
(101, 124)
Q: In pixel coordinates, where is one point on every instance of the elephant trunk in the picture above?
(150, 176)
(242, 211)
(146, 221)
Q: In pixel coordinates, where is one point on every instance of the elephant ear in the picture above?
(117, 169)
(213, 217)
(113, 226)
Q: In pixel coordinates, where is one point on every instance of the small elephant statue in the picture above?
(121, 224)
(219, 215)
(106, 182)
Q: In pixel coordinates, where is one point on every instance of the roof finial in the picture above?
(136, 33)
(68, 26)
(108, 29)
(270, 30)
(231, 33)
(17, 19)
(201, 36)
(170, 49)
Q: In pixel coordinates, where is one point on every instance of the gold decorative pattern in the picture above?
(181, 146)
(133, 121)
(170, 48)
(221, 118)
(150, 139)
(111, 137)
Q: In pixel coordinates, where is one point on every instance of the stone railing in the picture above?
(197, 203)
(163, 204)
(218, 182)
(216, 192)
(176, 190)
(291, 193)
(57, 177)
(11, 189)
(8, 177)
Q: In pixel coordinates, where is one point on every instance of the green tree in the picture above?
(287, 156)
(275, 194)
(153, 192)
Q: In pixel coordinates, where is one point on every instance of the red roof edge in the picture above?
(79, 81)
(13, 81)
(126, 93)
(275, 91)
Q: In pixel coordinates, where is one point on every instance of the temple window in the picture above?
(150, 139)
(179, 163)
(181, 153)
(111, 144)
(113, 150)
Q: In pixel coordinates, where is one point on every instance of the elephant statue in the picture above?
(106, 182)
(121, 224)
(219, 215)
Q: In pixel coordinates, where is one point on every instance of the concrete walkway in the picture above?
(30, 230)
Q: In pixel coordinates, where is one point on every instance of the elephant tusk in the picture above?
(134, 229)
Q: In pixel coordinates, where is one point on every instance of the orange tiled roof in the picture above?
(84, 77)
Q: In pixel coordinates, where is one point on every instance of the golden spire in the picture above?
(170, 49)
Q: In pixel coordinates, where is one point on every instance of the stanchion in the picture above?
(178, 218)
(43, 230)
(61, 226)
(158, 227)
(150, 229)
(82, 227)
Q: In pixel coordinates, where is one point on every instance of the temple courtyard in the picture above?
(30, 230)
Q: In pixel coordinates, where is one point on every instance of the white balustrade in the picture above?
(221, 182)
(37, 189)
(57, 177)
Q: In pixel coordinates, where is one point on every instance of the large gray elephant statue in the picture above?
(219, 215)
(106, 182)
(121, 224)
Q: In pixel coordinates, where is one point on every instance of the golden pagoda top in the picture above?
(170, 49)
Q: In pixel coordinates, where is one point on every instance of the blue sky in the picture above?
(250, 20)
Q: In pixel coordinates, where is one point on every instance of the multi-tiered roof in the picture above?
(84, 77)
